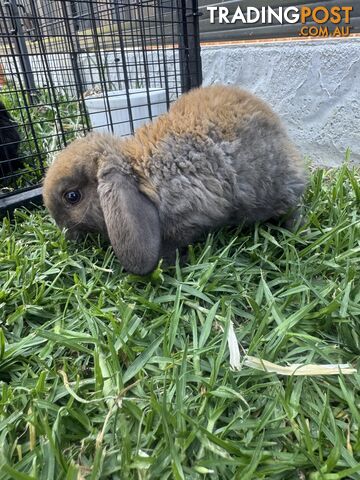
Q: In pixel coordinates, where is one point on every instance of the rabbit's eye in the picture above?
(74, 196)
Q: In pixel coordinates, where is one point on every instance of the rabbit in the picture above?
(220, 156)
(9, 145)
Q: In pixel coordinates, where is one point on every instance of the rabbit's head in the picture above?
(70, 189)
(90, 187)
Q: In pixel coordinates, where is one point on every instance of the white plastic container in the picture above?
(97, 107)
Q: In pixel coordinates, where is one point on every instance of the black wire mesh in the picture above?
(67, 67)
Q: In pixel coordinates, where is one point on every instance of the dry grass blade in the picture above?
(297, 369)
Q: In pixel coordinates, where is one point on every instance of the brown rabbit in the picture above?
(220, 156)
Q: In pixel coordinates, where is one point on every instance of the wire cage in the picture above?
(67, 67)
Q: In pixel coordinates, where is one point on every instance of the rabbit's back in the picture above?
(220, 156)
(218, 112)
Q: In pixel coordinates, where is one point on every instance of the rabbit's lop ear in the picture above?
(131, 219)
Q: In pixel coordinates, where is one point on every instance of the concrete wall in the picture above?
(313, 85)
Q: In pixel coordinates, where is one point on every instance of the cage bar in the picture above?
(68, 67)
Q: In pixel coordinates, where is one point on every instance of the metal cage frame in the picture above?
(58, 56)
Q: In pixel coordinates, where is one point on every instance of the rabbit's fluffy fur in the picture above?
(220, 156)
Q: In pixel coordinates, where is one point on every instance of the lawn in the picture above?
(106, 375)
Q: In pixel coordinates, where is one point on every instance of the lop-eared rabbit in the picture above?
(220, 156)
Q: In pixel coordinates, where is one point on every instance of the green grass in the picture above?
(106, 375)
